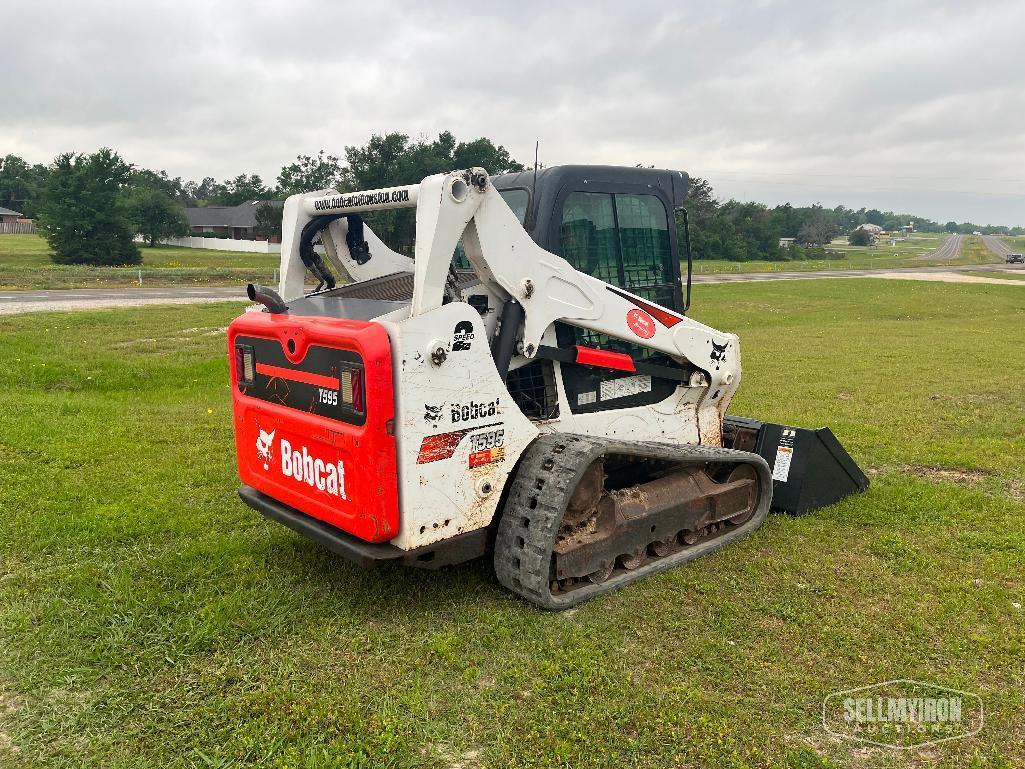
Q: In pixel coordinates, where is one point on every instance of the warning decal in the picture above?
(784, 456)
(624, 387)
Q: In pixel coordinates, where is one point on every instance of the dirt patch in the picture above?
(8, 706)
(944, 277)
(960, 475)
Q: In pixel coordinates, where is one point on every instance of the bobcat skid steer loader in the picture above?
(527, 385)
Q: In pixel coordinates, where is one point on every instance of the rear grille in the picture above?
(397, 287)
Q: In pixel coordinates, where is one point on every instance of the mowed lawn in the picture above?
(149, 619)
(904, 254)
(25, 263)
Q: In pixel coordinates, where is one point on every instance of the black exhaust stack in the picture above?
(268, 297)
(810, 469)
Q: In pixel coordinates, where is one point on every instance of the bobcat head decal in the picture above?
(432, 413)
(718, 353)
(265, 448)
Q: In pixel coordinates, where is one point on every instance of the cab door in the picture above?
(625, 236)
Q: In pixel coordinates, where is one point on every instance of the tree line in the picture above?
(90, 207)
(738, 231)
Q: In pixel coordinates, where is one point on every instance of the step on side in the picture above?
(536, 549)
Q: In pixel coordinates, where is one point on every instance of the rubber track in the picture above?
(545, 480)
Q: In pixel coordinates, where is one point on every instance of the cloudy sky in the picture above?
(911, 106)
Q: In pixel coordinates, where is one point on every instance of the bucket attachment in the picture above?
(810, 469)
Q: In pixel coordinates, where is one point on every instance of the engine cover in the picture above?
(314, 412)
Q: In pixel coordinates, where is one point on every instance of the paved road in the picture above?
(948, 249)
(997, 245)
(95, 298)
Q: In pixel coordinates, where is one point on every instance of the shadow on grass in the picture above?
(383, 592)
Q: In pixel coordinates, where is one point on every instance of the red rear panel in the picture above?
(314, 418)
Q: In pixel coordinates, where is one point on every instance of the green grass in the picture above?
(906, 254)
(25, 264)
(149, 619)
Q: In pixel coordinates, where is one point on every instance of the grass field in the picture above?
(905, 254)
(149, 619)
(25, 263)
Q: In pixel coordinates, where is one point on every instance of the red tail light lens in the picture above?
(358, 390)
(352, 389)
(245, 369)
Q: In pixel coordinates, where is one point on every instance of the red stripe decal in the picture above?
(605, 358)
(443, 445)
(440, 446)
(295, 375)
(664, 317)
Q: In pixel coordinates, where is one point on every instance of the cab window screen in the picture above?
(645, 247)
(587, 238)
(517, 201)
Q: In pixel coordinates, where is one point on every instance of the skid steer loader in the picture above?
(528, 384)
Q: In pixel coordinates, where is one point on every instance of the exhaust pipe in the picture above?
(268, 297)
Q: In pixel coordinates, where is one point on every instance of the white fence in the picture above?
(17, 228)
(226, 244)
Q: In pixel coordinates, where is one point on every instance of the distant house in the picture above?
(235, 222)
(7, 216)
(787, 242)
(15, 223)
(872, 229)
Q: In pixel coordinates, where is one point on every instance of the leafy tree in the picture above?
(202, 193)
(483, 153)
(20, 184)
(79, 213)
(153, 214)
(160, 181)
(237, 191)
(268, 220)
(815, 231)
(875, 216)
(701, 203)
(859, 237)
(308, 174)
(392, 159)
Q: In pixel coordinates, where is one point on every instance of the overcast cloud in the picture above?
(911, 106)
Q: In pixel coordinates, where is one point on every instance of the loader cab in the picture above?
(618, 225)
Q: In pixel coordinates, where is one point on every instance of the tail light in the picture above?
(245, 368)
(352, 388)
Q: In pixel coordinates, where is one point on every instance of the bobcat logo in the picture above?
(432, 413)
(264, 447)
(718, 353)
